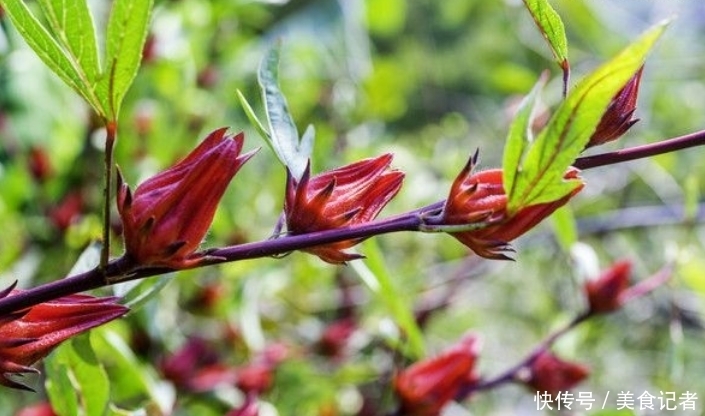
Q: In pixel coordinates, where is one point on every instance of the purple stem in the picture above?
(643, 151)
(123, 269)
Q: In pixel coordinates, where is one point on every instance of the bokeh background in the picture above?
(430, 81)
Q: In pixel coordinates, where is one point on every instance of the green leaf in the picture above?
(51, 52)
(76, 380)
(375, 274)
(58, 385)
(283, 136)
(250, 113)
(551, 27)
(520, 136)
(540, 178)
(306, 144)
(128, 374)
(72, 24)
(127, 32)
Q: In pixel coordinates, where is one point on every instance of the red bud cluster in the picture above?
(605, 294)
(168, 215)
(427, 386)
(618, 116)
(352, 194)
(477, 197)
(609, 291)
(29, 335)
(549, 374)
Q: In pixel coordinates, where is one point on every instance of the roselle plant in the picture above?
(157, 228)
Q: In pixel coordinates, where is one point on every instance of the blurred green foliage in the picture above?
(430, 81)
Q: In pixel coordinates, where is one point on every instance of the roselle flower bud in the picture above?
(618, 116)
(168, 215)
(605, 294)
(28, 336)
(480, 197)
(549, 374)
(352, 194)
(429, 385)
(611, 289)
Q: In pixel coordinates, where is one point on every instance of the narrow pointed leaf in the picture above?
(568, 132)
(520, 136)
(306, 145)
(127, 369)
(76, 380)
(72, 25)
(250, 113)
(127, 32)
(282, 130)
(59, 387)
(551, 27)
(48, 49)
